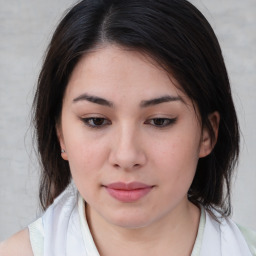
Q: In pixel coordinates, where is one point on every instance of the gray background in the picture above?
(26, 27)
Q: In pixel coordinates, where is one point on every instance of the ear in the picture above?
(208, 143)
(59, 132)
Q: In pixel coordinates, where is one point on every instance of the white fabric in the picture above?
(87, 237)
(223, 239)
(63, 231)
(200, 233)
(36, 234)
(250, 237)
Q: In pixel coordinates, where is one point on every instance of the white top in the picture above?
(63, 230)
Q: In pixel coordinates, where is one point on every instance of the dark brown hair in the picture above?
(173, 33)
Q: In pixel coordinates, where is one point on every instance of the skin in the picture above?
(17, 245)
(158, 145)
(129, 145)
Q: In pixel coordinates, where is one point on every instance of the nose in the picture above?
(127, 149)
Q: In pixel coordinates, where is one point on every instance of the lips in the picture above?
(128, 192)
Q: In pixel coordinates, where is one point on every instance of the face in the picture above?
(132, 139)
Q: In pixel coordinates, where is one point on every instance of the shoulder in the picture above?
(250, 237)
(18, 244)
(223, 233)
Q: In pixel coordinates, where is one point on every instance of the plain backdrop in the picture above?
(26, 27)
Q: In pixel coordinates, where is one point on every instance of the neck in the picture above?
(174, 234)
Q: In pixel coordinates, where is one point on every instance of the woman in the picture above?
(134, 108)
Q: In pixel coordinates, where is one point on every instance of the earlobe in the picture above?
(207, 141)
(63, 152)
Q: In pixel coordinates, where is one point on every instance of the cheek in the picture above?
(85, 154)
(176, 159)
(86, 162)
(177, 150)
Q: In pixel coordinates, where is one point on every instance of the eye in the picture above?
(161, 122)
(96, 122)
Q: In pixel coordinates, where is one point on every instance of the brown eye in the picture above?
(161, 122)
(96, 122)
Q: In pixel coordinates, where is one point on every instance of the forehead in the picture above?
(111, 71)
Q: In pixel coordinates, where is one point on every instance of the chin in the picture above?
(130, 221)
(131, 224)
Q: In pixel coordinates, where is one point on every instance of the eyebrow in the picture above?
(143, 104)
(162, 99)
(94, 99)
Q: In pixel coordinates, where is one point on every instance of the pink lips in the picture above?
(128, 192)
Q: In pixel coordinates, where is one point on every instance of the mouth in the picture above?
(128, 192)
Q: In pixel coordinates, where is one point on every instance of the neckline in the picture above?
(93, 251)
(200, 233)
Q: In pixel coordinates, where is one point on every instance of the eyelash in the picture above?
(167, 122)
(87, 121)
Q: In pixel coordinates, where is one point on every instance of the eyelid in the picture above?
(86, 120)
(170, 121)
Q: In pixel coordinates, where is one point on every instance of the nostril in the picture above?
(127, 157)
